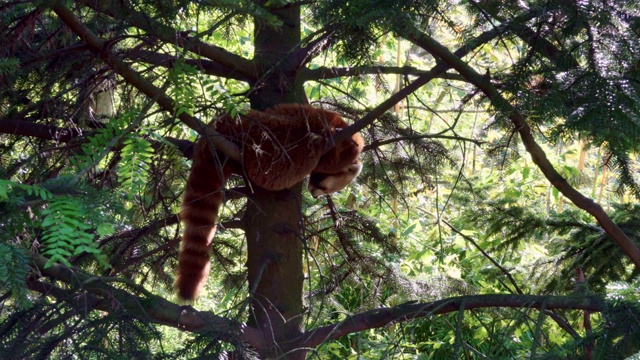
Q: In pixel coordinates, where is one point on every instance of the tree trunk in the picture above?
(274, 263)
(273, 219)
(272, 50)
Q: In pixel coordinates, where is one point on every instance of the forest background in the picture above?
(496, 216)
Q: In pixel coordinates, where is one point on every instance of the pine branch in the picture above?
(526, 134)
(65, 135)
(324, 72)
(101, 295)
(132, 77)
(206, 66)
(378, 143)
(380, 317)
(231, 61)
(436, 71)
(561, 58)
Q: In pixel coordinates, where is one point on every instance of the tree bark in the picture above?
(274, 264)
(272, 220)
(277, 81)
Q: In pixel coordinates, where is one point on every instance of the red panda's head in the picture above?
(337, 168)
(322, 183)
(340, 165)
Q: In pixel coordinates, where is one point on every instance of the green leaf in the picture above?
(57, 259)
(64, 229)
(105, 229)
(409, 230)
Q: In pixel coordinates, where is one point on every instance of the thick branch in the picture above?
(146, 306)
(537, 154)
(380, 317)
(46, 132)
(338, 72)
(99, 47)
(64, 135)
(206, 66)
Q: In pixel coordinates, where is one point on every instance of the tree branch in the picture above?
(206, 66)
(379, 143)
(436, 71)
(99, 47)
(537, 154)
(504, 271)
(146, 306)
(380, 317)
(304, 55)
(40, 131)
(324, 72)
(560, 58)
(557, 318)
(65, 135)
(169, 35)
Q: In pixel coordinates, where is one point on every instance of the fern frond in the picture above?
(134, 165)
(65, 231)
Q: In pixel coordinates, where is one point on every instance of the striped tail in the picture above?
(203, 197)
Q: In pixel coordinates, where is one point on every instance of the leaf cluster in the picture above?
(37, 332)
(573, 240)
(579, 75)
(14, 267)
(64, 231)
(359, 25)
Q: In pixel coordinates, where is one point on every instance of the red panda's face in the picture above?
(322, 184)
(337, 168)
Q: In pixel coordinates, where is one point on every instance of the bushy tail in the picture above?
(203, 197)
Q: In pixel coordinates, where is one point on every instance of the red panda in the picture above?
(279, 147)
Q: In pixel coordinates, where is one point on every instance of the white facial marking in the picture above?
(336, 182)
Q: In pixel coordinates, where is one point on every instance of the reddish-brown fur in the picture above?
(280, 147)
